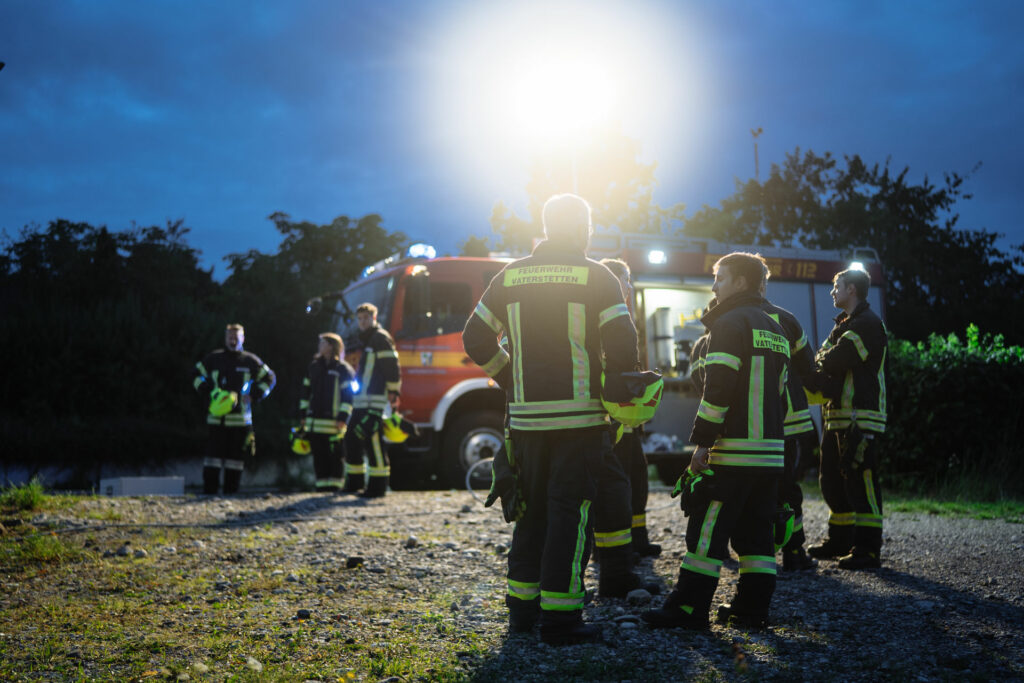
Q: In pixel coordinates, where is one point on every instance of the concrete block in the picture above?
(143, 486)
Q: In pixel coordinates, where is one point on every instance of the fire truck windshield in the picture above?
(377, 291)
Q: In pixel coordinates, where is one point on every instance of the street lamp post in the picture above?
(756, 132)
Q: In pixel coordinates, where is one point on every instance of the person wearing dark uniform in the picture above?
(629, 448)
(326, 405)
(851, 375)
(565, 317)
(739, 457)
(234, 379)
(801, 435)
(380, 382)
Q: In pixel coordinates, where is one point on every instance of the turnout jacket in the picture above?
(566, 321)
(851, 371)
(379, 371)
(740, 416)
(238, 371)
(801, 367)
(327, 395)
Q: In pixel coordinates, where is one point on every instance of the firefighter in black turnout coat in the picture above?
(325, 407)
(565, 317)
(730, 488)
(232, 379)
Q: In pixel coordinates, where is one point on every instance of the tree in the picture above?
(938, 278)
(606, 172)
(474, 246)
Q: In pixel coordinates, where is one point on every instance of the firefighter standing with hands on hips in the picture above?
(729, 490)
(232, 379)
(851, 376)
(325, 406)
(380, 382)
(565, 316)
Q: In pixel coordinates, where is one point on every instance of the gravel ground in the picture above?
(946, 606)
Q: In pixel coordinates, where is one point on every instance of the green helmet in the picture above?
(221, 402)
(639, 409)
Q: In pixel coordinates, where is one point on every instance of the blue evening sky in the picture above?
(221, 113)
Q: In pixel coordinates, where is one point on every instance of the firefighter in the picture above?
(801, 435)
(326, 405)
(850, 373)
(629, 448)
(565, 318)
(730, 487)
(380, 382)
(232, 379)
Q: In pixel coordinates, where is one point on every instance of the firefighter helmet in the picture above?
(647, 388)
(393, 429)
(300, 444)
(221, 402)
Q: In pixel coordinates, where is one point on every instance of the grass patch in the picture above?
(23, 497)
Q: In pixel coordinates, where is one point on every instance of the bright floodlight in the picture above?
(657, 257)
(857, 265)
(421, 250)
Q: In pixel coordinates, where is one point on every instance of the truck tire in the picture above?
(470, 438)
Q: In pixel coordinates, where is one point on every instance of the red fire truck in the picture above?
(424, 301)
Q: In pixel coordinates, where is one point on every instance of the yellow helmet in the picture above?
(221, 402)
(640, 409)
(300, 444)
(391, 429)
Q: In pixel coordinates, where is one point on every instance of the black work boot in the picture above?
(675, 613)
(354, 483)
(616, 577)
(736, 616)
(567, 628)
(642, 545)
(211, 480)
(829, 549)
(859, 559)
(796, 560)
(522, 614)
(376, 488)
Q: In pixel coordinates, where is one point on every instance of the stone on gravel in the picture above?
(638, 596)
(141, 553)
(412, 542)
(254, 664)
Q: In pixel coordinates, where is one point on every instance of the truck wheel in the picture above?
(471, 438)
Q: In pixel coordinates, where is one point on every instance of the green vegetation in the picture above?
(23, 497)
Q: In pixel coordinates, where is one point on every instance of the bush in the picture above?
(955, 414)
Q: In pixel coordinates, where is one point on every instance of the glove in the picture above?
(505, 485)
(691, 487)
(367, 425)
(856, 455)
(342, 428)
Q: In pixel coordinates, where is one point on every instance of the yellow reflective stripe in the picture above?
(306, 382)
(611, 313)
(757, 564)
(548, 407)
(230, 420)
(387, 353)
(842, 518)
(722, 358)
(496, 363)
(869, 489)
(707, 527)
(515, 334)
(701, 564)
(576, 571)
(201, 368)
(355, 469)
(755, 397)
(770, 445)
(639, 520)
(881, 382)
(747, 459)
(540, 275)
(489, 318)
(561, 602)
(611, 539)
(370, 359)
(321, 425)
(546, 424)
(330, 481)
(858, 344)
(869, 520)
(578, 351)
(523, 590)
(197, 382)
(800, 343)
(711, 412)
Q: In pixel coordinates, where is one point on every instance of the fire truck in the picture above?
(424, 302)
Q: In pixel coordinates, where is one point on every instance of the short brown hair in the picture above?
(752, 267)
(860, 280)
(367, 308)
(234, 326)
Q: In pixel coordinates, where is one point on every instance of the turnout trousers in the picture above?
(358, 451)
(853, 497)
(327, 460)
(226, 450)
(737, 506)
(561, 474)
(630, 453)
